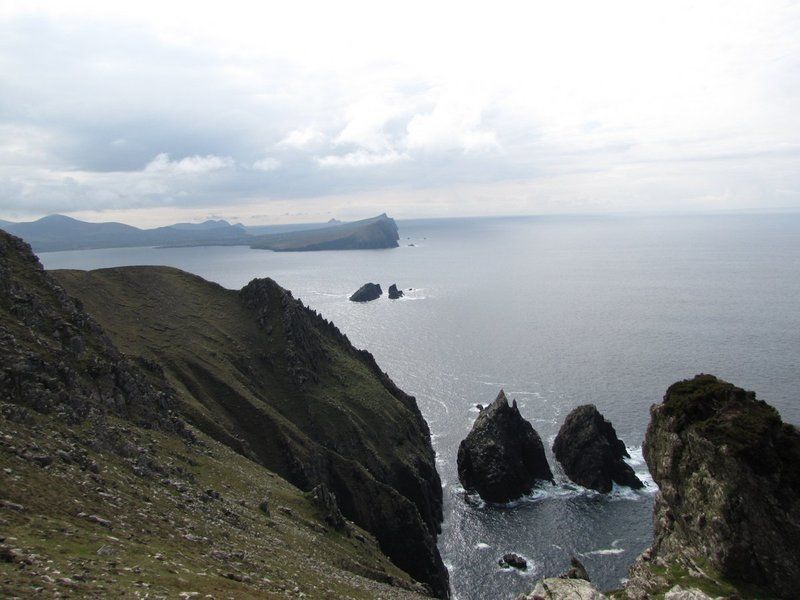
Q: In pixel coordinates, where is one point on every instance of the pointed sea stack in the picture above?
(394, 293)
(591, 453)
(503, 456)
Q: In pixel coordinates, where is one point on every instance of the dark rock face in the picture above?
(591, 453)
(503, 456)
(575, 571)
(727, 470)
(55, 359)
(394, 293)
(367, 292)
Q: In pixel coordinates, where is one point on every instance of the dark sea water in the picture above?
(558, 312)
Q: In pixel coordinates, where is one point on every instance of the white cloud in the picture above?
(266, 164)
(361, 158)
(189, 165)
(453, 124)
(307, 137)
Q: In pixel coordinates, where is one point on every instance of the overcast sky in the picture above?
(153, 112)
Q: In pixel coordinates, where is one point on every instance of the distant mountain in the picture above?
(59, 232)
(206, 225)
(377, 232)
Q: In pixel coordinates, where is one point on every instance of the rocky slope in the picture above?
(502, 457)
(105, 488)
(591, 453)
(261, 373)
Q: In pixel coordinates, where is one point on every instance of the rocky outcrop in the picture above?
(513, 561)
(367, 234)
(394, 293)
(590, 452)
(564, 589)
(55, 359)
(502, 458)
(576, 570)
(367, 293)
(728, 510)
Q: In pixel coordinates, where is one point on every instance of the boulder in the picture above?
(503, 457)
(513, 561)
(394, 293)
(591, 453)
(367, 292)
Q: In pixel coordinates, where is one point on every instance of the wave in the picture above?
(603, 552)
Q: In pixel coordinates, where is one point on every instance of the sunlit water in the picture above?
(559, 312)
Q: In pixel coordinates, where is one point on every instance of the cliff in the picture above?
(261, 373)
(115, 476)
(727, 517)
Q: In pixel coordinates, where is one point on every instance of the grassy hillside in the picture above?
(105, 490)
(259, 372)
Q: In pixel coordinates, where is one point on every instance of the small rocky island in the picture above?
(503, 457)
(367, 293)
(590, 452)
(394, 293)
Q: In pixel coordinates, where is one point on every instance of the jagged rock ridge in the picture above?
(503, 456)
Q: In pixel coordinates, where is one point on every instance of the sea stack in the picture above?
(591, 453)
(394, 293)
(503, 457)
(367, 292)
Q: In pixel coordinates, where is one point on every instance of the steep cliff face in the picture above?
(272, 379)
(368, 234)
(105, 491)
(728, 513)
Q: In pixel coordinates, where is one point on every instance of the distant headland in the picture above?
(59, 232)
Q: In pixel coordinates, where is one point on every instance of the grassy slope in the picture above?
(233, 380)
(166, 535)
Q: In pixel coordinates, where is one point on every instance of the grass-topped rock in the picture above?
(729, 503)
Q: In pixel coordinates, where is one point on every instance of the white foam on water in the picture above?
(482, 546)
(603, 552)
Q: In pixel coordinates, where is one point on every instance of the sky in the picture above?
(267, 112)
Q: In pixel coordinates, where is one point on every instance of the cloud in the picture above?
(303, 138)
(189, 165)
(266, 164)
(152, 106)
(361, 158)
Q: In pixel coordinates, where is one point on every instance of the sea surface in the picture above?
(558, 312)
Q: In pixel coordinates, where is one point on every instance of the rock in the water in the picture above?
(727, 470)
(591, 453)
(576, 571)
(512, 560)
(503, 456)
(394, 293)
(367, 292)
(564, 589)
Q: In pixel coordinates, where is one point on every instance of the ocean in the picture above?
(558, 312)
